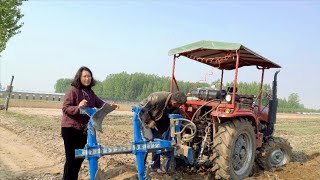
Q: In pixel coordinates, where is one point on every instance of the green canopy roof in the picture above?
(222, 55)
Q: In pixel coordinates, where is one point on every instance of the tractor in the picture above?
(223, 132)
(232, 131)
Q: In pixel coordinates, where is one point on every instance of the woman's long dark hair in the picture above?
(76, 80)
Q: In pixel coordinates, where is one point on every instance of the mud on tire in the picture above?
(275, 152)
(234, 149)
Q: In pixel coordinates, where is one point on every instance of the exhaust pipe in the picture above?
(273, 106)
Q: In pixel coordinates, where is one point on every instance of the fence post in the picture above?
(9, 94)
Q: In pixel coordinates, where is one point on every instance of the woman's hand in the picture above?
(115, 106)
(83, 103)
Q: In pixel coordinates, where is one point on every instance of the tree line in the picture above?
(124, 86)
(137, 86)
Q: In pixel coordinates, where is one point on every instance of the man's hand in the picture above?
(83, 103)
(152, 124)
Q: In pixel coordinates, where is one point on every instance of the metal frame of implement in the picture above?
(140, 147)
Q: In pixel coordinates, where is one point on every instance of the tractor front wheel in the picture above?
(275, 152)
(234, 150)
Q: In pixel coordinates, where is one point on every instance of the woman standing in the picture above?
(73, 124)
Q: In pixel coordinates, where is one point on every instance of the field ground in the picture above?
(31, 146)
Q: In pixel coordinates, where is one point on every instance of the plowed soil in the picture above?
(31, 147)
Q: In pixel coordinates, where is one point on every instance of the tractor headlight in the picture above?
(228, 98)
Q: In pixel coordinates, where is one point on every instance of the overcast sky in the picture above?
(135, 36)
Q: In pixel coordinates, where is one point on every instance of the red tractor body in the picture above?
(230, 126)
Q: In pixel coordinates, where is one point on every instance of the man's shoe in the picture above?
(157, 170)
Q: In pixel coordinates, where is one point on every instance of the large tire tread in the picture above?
(222, 147)
(271, 144)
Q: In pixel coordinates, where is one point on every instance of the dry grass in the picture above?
(51, 104)
(34, 103)
(40, 122)
(303, 131)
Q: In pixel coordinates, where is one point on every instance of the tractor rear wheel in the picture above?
(234, 150)
(275, 152)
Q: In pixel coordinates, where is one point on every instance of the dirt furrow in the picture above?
(18, 158)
